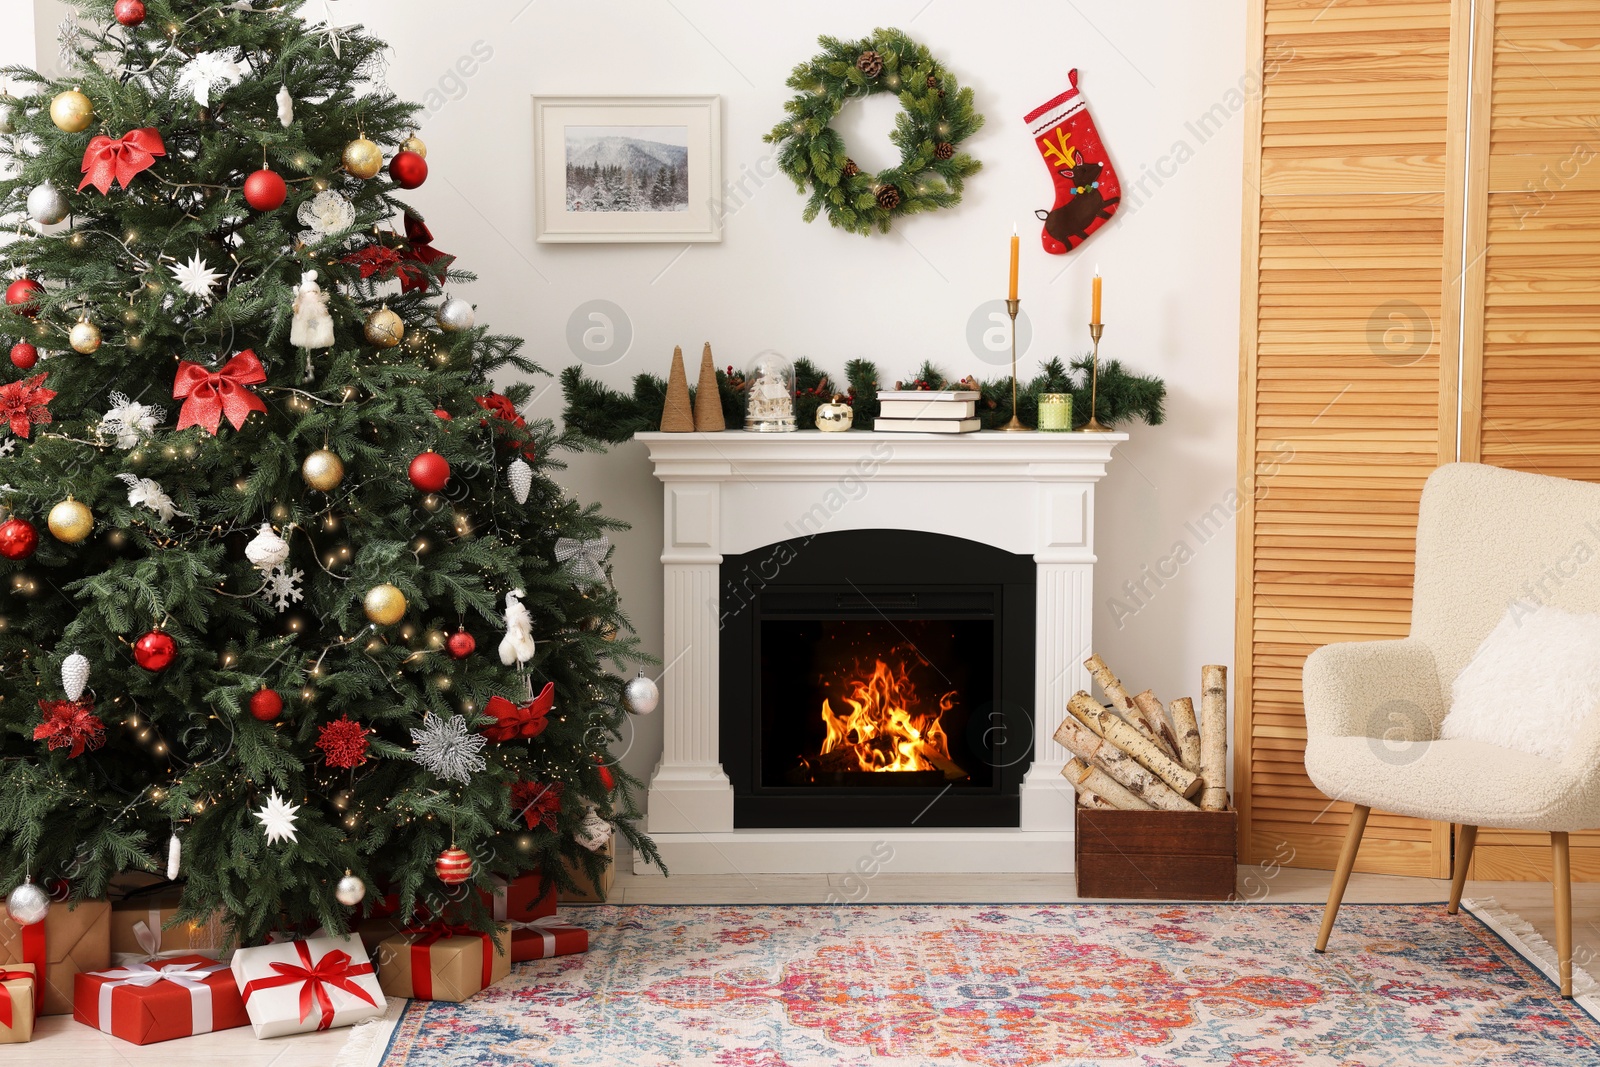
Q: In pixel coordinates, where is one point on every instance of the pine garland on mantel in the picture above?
(606, 415)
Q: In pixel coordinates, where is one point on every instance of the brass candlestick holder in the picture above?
(1093, 425)
(1015, 425)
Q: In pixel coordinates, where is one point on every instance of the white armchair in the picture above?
(1485, 538)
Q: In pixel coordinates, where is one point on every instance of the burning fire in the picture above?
(881, 731)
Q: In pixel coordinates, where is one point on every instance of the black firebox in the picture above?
(877, 678)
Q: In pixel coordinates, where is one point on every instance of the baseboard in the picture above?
(1532, 946)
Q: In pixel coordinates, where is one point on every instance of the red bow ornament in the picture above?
(110, 160)
(420, 250)
(70, 724)
(209, 395)
(334, 970)
(520, 720)
(22, 404)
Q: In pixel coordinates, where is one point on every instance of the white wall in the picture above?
(1150, 69)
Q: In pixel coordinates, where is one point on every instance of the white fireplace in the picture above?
(1031, 494)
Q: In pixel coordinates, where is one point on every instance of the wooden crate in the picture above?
(1157, 855)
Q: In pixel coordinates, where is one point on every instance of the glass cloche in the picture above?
(770, 390)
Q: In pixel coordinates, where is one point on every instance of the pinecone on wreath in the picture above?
(944, 150)
(870, 63)
(888, 198)
(849, 170)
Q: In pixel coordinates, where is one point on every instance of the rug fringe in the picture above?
(1535, 949)
(369, 1041)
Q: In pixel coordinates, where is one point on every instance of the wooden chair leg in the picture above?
(1561, 879)
(1341, 876)
(1466, 837)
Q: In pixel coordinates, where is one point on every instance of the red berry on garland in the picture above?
(265, 190)
(461, 644)
(155, 651)
(129, 12)
(453, 866)
(266, 704)
(606, 779)
(18, 539)
(429, 472)
(408, 169)
(24, 356)
(23, 294)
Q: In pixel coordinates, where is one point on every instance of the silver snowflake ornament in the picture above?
(448, 749)
(331, 33)
(196, 278)
(585, 559)
(283, 587)
(277, 819)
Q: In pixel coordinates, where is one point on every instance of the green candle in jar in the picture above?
(1055, 411)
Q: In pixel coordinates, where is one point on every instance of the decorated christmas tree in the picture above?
(288, 591)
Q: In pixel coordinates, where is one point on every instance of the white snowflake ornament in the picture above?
(283, 587)
(75, 674)
(210, 72)
(147, 493)
(325, 214)
(448, 749)
(285, 107)
(518, 646)
(129, 421)
(196, 278)
(277, 819)
(520, 475)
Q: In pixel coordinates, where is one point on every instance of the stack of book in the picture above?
(928, 411)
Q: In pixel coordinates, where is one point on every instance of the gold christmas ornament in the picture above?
(384, 328)
(385, 605)
(323, 470)
(84, 337)
(71, 111)
(362, 158)
(414, 144)
(71, 522)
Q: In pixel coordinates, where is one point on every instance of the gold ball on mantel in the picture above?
(71, 522)
(385, 605)
(384, 328)
(414, 144)
(363, 158)
(323, 470)
(71, 111)
(84, 337)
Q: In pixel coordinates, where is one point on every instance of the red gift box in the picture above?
(544, 938)
(143, 1003)
(525, 897)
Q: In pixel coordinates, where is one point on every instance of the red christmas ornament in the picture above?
(443, 414)
(155, 651)
(209, 395)
(343, 743)
(23, 294)
(408, 170)
(265, 190)
(460, 644)
(23, 404)
(453, 866)
(18, 539)
(606, 778)
(70, 724)
(129, 12)
(266, 704)
(112, 160)
(24, 356)
(418, 272)
(429, 472)
(514, 721)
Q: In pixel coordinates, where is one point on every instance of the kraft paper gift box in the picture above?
(16, 1003)
(588, 892)
(543, 938)
(449, 963)
(330, 974)
(139, 932)
(144, 1003)
(72, 938)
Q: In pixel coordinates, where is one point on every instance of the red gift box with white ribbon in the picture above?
(525, 897)
(145, 1003)
(543, 938)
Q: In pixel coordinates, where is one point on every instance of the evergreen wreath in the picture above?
(937, 116)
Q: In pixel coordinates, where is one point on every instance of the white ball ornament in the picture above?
(75, 675)
(27, 904)
(641, 695)
(350, 891)
(456, 314)
(47, 204)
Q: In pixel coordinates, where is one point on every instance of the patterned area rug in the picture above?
(1017, 986)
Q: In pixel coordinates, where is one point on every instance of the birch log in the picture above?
(1214, 737)
(1088, 798)
(1143, 784)
(1188, 732)
(1118, 696)
(1143, 749)
(1156, 716)
(1087, 777)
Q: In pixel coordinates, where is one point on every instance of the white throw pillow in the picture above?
(1532, 685)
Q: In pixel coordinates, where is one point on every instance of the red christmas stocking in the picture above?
(1087, 191)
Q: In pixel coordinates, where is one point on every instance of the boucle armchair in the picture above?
(1485, 538)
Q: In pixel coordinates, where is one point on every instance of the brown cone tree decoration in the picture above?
(888, 198)
(849, 170)
(676, 417)
(707, 398)
(944, 150)
(870, 63)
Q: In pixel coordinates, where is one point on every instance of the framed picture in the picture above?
(622, 169)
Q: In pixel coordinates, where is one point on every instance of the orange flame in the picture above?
(881, 730)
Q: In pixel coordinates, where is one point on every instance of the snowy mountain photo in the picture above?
(627, 168)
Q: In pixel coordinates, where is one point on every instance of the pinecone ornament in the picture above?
(870, 63)
(849, 170)
(933, 81)
(888, 198)
(944, 150)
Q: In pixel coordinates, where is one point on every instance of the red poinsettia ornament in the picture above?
(374, 260)
(420, 250)
(538, 804)
(70, 724)
(513, 721)
(22, 404)
(208, 395)
(515, 428)
(343, 743)
(118, 160)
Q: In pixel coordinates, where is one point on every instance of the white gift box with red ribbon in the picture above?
(297, 987)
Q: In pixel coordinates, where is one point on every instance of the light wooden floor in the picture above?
(60, 1042)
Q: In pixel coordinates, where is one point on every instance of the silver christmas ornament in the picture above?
(586, 559)
(641, 695)
(456, 314)
(75, 675)
(27, 904)
(47, 204)
(8, 124)
(350, 891)
(520, 475)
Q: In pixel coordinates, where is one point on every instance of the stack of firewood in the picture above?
(1136, 758)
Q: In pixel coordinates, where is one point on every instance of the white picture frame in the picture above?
(641, 169)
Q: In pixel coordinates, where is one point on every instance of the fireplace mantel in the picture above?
(730, 493)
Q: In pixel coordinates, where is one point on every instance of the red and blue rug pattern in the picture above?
(1014, 986)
